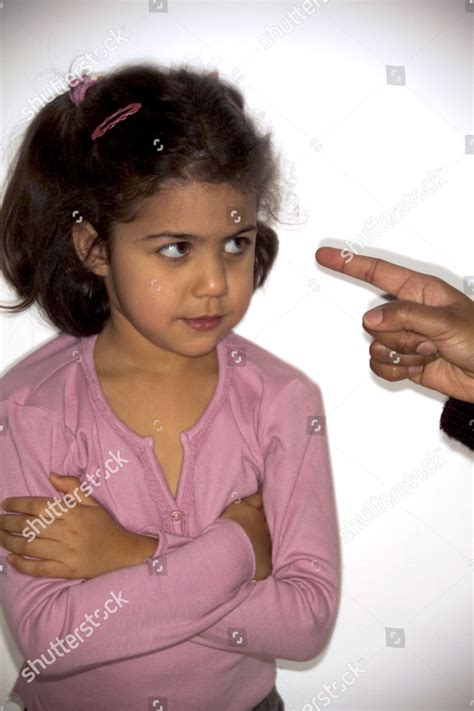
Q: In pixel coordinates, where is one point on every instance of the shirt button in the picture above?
(177, 515)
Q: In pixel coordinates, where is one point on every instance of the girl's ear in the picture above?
(82, 237)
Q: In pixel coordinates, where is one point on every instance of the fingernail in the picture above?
(414, 369)
(426, 348)
(372, 318)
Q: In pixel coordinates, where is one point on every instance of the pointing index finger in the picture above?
(385, 275)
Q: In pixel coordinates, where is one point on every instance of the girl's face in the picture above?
(154, 282)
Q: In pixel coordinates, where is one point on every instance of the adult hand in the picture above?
(428, 316)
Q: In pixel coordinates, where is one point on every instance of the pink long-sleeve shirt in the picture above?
(188, 629)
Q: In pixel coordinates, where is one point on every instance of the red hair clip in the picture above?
(114, 118)
(77, 94)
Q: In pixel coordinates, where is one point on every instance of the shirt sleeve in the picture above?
(457, 421)
(289, 615)
(203, 580)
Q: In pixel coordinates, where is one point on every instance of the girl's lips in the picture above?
(203, 324)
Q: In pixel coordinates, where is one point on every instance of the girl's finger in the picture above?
(38, 548)
(71, 485)
(254, 500)
(33, 505)
(383, 355)
(38, 568)
(17, 523)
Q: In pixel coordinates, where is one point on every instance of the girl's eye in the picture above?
(167, 246)
(179, 244)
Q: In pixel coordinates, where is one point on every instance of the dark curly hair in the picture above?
(58, 169)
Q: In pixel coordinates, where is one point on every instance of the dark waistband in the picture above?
(271, 702)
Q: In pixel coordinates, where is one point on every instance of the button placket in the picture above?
(177, 518)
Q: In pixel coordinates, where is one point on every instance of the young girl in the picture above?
(136, 216)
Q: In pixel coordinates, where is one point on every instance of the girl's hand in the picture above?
(244, 512)
(83, 542)
(427, 312)
(254, 500)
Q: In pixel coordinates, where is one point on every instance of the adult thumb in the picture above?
(432, 322)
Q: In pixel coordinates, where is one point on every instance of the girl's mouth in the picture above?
(203, 324)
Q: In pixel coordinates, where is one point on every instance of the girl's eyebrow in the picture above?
(193, 238)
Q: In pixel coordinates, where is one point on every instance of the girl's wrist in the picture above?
(142, 548)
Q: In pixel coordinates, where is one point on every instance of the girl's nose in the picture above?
(211, 278)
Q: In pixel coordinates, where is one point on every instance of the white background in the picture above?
(352, 145)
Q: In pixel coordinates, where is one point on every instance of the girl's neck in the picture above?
(116, 354)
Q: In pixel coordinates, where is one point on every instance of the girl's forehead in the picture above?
(191, 211)
(188, 190)
(196, 201)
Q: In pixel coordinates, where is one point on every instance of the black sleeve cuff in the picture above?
(457, 420)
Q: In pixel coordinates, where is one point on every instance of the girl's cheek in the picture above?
(241, 287)
(156, 291)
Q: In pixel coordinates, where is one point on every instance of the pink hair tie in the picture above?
(114, 118)
(78, 92)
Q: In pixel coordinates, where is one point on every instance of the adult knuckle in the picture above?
(405, 308)
(376, 349)
(373, 367)
(404, 344)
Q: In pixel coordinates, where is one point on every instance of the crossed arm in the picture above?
(207, 593)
